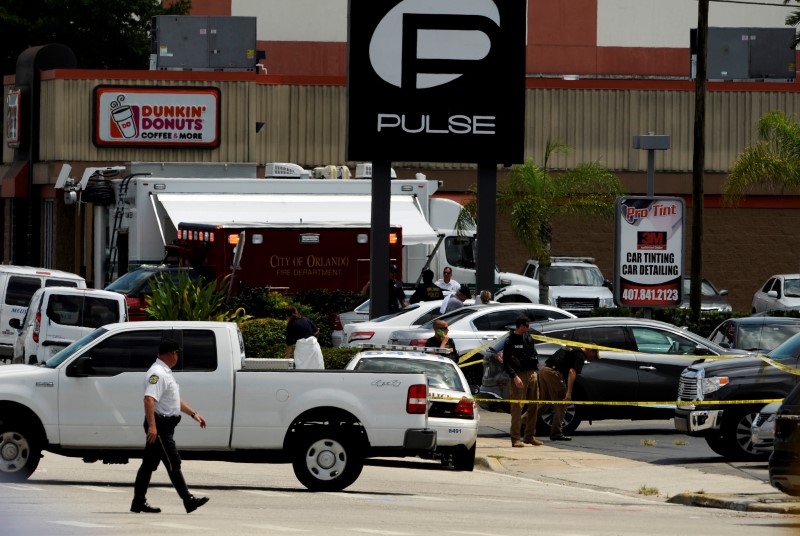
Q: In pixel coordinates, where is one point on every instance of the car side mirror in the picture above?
(15, 323)
(723, 292)
(81, 367)
(772, 294)
(701, 350)
(608, 284)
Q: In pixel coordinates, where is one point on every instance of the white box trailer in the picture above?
(155, 197)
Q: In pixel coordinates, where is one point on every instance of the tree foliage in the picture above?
(103, 34)
(533, 196)
(771, 162)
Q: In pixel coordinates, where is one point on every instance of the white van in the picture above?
(17, 285)
(59, 316)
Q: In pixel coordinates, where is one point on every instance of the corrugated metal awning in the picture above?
(220, 208)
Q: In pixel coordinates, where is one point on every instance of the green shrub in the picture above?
(190, 300)
(337, 358)
(264, 337)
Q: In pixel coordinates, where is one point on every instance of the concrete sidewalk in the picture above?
(674, 484)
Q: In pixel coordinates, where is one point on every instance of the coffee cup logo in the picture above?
(122, 116)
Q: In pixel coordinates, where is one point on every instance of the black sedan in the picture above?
(647, 369)
(784, 462)
(755, 333)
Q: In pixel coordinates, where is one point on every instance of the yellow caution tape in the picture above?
(618, 403)
(562, 342)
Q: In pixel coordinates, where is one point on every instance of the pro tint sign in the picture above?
(156, 116)
(649, 252)
(436, 80)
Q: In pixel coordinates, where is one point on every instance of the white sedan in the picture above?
(781, 291)
(452, 410)
(377, 331)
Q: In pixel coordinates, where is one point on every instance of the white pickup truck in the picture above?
(86, 401)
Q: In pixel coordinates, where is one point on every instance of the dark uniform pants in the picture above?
(163, 449)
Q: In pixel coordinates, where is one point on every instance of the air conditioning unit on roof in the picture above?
(364, 171)
(285, 171)
(331, 172)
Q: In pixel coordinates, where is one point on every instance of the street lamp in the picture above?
(651, 142)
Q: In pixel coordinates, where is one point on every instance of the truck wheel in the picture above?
(19, 453)
(571, 420)
(717, 444)
(464, 458)
(326, 461)
(737, 442)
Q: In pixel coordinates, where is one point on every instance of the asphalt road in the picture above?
(654, 442)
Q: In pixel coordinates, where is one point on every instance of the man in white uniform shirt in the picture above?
(162, 410)
(447, 282)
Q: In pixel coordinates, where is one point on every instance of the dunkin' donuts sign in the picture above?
(156, 116)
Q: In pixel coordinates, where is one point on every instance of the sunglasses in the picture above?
(448, 273)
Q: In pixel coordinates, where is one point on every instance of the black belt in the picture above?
(168, 417)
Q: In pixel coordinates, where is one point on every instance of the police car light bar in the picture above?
(404, 348)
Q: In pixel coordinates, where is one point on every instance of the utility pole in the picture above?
(698, 159)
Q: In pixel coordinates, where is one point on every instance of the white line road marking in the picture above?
(81, 524)
(101, 489)
(262, 493)
(277, 528)
(428, 498)
(180, 526)
(384, 532)
(474, 533)
(22, 487)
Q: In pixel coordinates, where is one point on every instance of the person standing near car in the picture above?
(162, 409)
(447, 282)
(557, 380)
(301, 341)
(426, 290)
(521, 364)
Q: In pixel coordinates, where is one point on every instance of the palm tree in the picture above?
(533, 196)
(772, 162)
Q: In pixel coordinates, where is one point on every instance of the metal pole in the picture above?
(487, 227)
(99, 246)
(651, 172)
(379, 243)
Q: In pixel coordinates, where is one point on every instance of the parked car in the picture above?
(136, 285)
(17, 286)
(59, 316)
(755, 333)
(764, 427)
(576, 285)
(784, 462)
(711, 299)
(475, 325)
(452, 411)
(647, 367)
(359, 314)
(781, 291)
(378, 331)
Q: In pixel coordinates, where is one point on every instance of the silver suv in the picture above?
(576, 285)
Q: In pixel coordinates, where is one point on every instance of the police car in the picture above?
(452, 410)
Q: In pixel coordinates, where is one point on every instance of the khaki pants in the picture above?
(528, 391)
(552, 387)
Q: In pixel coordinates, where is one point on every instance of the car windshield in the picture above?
(579, 276)
(130, 281)
(791, 288)
(406, 309)
(790, 349)
(450, 317)
(706, 288)
(440, 374)
(70, 350)
(765, 337)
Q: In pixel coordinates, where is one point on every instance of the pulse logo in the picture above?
(422, 44)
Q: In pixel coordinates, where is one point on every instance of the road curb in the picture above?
(490, 463)
(738, 503)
